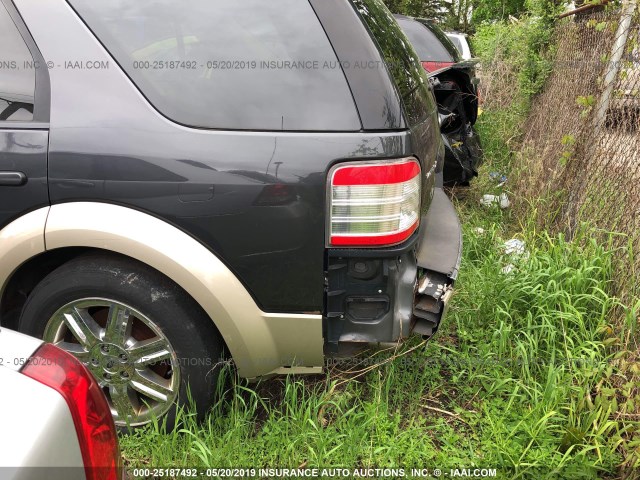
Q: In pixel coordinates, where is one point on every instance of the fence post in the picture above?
(622, 34)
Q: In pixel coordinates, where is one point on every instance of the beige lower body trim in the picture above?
(260, 343)
(20, 241)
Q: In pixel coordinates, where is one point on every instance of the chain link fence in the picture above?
(575, 167)
(581, 146)
(577, 164)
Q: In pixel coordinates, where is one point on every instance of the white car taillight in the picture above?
(88, 406)
(374, 203)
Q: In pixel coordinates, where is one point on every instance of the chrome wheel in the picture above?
(128, 354)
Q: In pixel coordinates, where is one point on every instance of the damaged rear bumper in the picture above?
(385, 295)
(438, 257)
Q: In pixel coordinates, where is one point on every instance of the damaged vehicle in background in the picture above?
(461, 43)
(456, 89)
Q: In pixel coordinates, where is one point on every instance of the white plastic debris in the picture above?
(515, 247)
(507, 269)
(479, 230)
(516, 250)
(490, 200)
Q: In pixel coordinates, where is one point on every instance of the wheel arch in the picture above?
(26, 277)
(260, 343)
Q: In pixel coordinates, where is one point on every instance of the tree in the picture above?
(432, 9)
(489, 10)
(464, 15)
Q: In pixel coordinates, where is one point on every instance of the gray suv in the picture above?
(186, 181)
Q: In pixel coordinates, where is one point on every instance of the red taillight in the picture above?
(89, 409)
(374, 203)
(435, 66)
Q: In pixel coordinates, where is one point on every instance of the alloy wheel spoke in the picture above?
(118, 326)
(123, 402)
(152, 385)
(150, 351)
(82, 326)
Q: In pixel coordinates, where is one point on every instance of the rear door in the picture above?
(24, 117)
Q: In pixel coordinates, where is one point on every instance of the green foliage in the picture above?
(601, 26)
(496, 128)
(416, 8)
(490, 10)
(523, 45)
(568, 141)
(587, 103)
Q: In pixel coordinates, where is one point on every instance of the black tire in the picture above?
(197, 346)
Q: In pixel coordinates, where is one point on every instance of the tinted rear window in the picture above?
(231, 64)
(405, 68)
(427, 45)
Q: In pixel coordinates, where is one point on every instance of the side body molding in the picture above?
(260, 343)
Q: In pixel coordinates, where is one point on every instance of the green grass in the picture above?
(513, 381)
